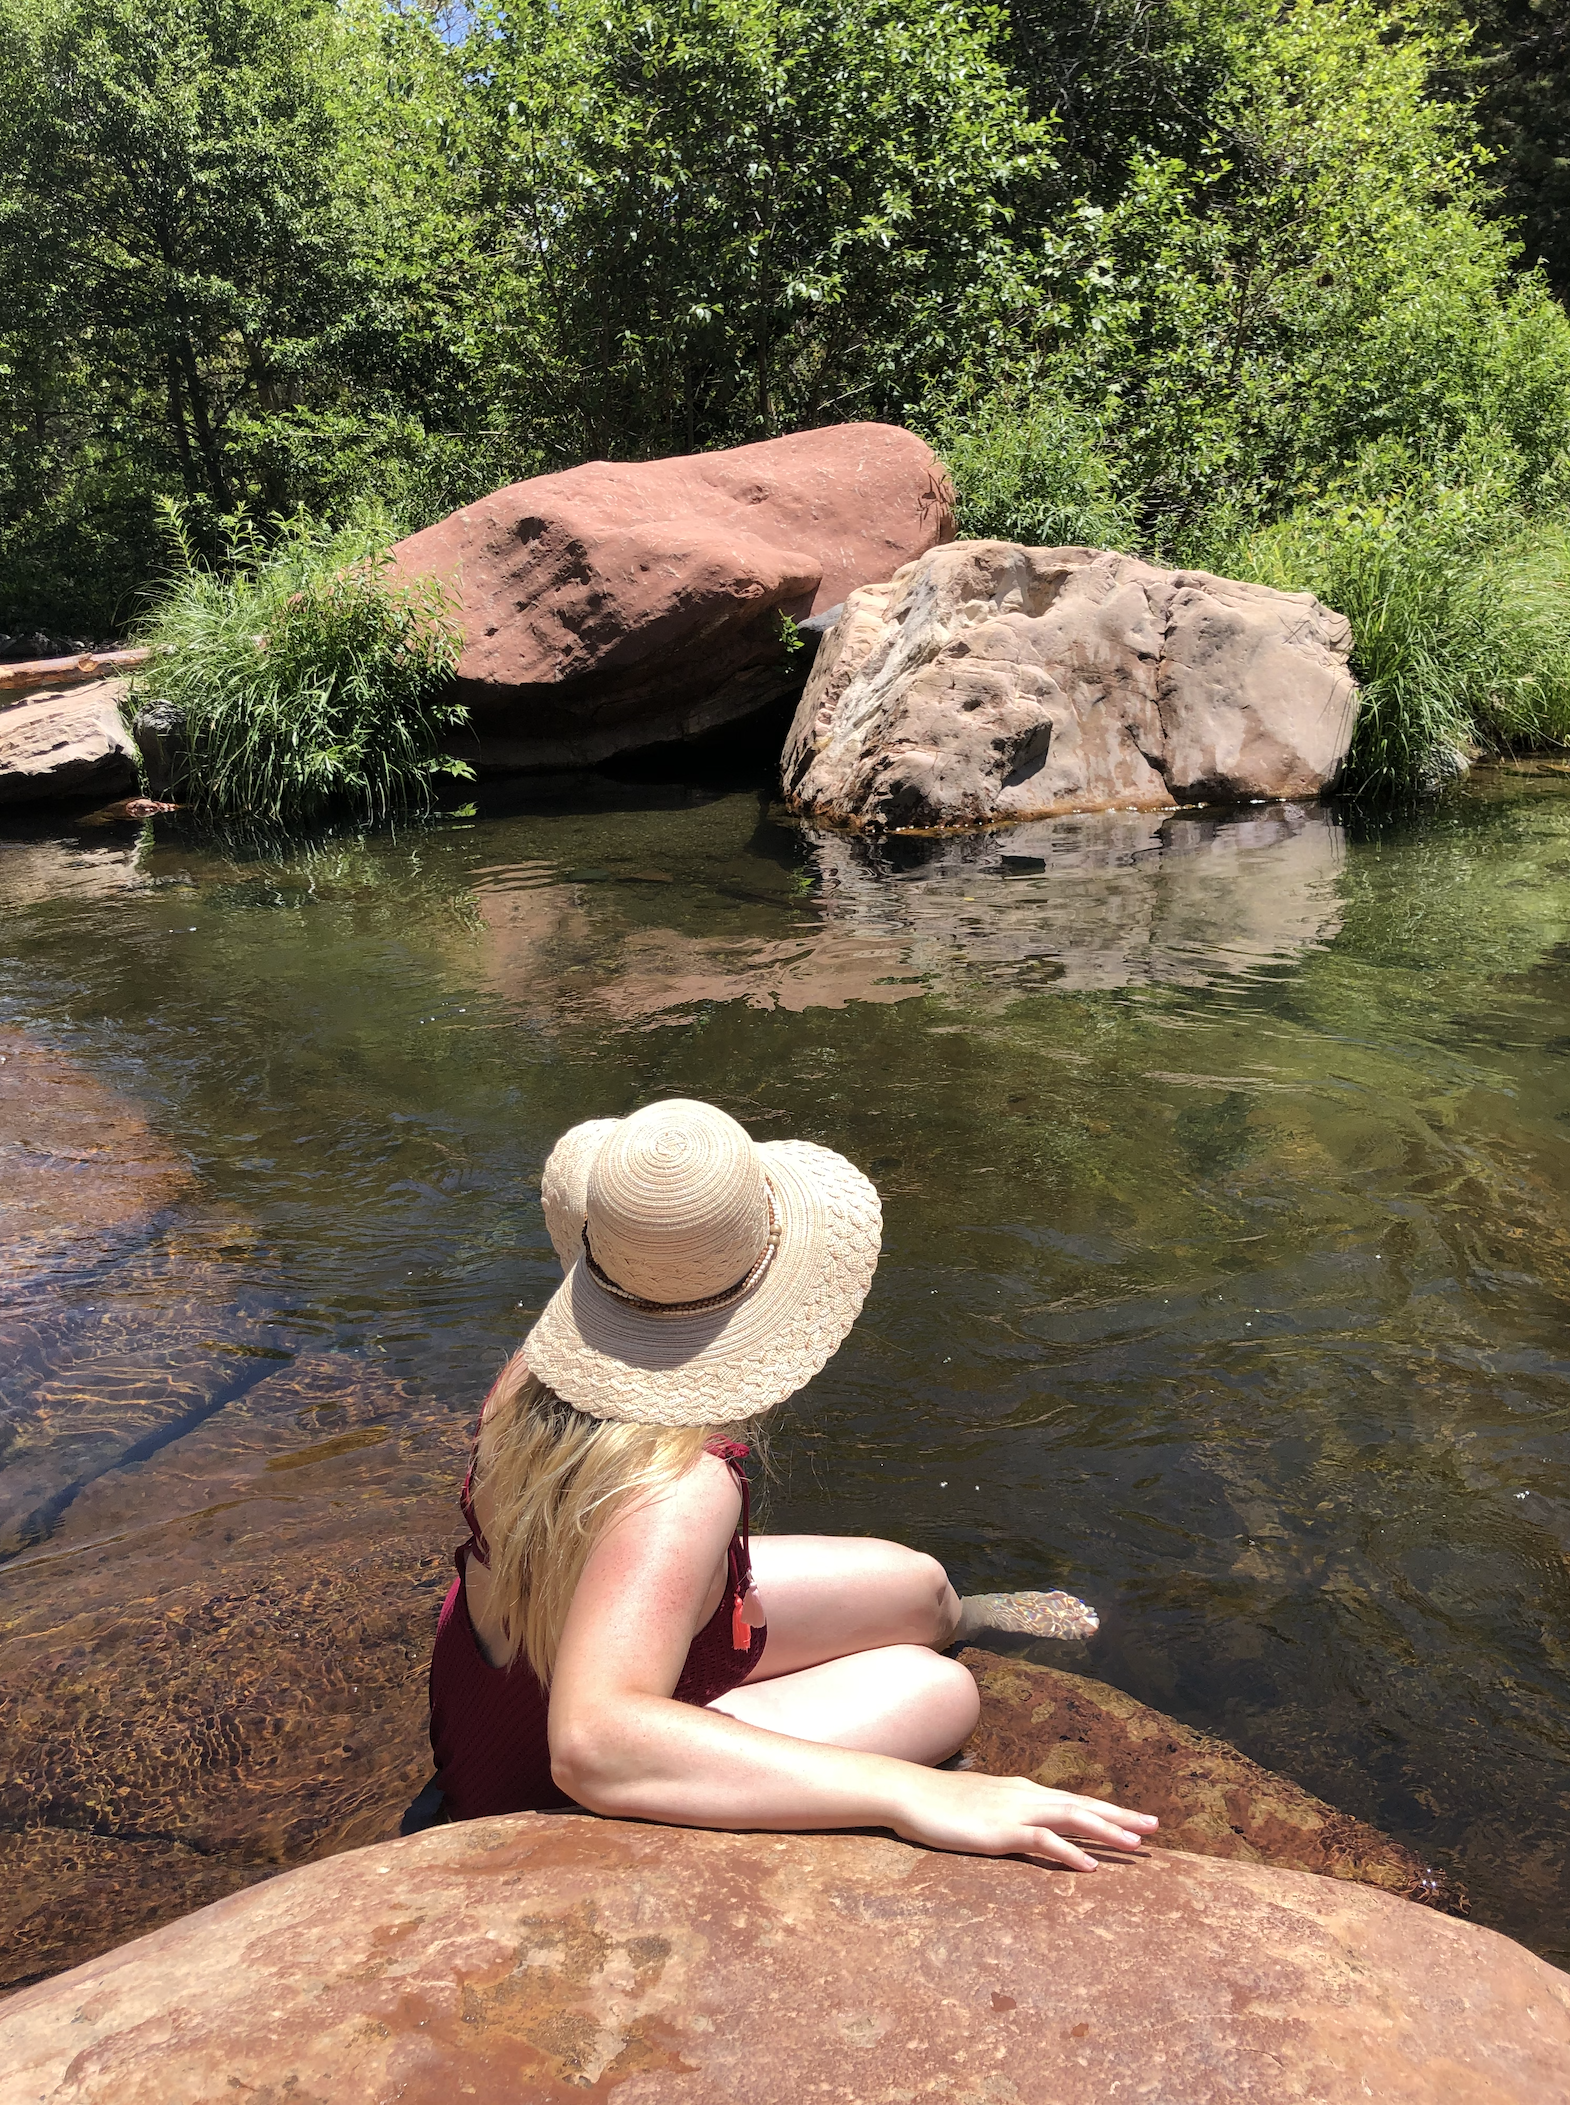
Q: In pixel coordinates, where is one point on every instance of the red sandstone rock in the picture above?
(540, 1959)
(989, 682)
(622, 604)
(1074, 1734)
(79, 1162)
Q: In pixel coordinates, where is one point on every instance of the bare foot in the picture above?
(1026, 1615)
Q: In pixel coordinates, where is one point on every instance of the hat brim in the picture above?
(611, 1360)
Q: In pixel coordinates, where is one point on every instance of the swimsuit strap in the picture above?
(733, 1453)
(476, 1542)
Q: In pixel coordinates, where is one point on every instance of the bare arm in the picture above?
(620, 1745)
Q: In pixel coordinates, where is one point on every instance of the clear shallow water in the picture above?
(1225, 1168)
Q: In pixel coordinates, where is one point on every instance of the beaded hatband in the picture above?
(692, 1308)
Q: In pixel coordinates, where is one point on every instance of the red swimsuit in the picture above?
(488, 1722)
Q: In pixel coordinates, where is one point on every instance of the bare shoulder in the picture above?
(667, 1549)
(704, 1493)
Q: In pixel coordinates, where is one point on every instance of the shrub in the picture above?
(1460, 609)
(304, 677)
(1037, 472)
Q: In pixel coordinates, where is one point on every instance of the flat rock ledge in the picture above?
(561, 1957)
(59, 742)
(987, 682)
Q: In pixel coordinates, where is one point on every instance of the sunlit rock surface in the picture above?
(988, 682)
(553, 1958)
(64, 742)
(626, 603)
(1074, 1734)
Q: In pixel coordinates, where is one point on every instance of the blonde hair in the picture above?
(554, 1479)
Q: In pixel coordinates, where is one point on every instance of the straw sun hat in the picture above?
(708, 1275)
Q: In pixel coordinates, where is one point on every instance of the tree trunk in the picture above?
(212, 452)
(182, 437)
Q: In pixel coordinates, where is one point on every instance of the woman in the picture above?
(614, 1639)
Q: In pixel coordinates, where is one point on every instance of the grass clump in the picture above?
(1459, 601)
(299, 676)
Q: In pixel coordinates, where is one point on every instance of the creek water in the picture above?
(1225, 1162)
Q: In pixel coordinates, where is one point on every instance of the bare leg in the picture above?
(903, 1700)
(827, 1596)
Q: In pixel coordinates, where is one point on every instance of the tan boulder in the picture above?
(625, 603)
(987, 682)
(560, 1957)
(1074, 1734)
(65, 741)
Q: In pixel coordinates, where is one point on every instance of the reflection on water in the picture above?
(1225, 1279)
(1118, 900)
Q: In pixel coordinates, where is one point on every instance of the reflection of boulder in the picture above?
(987, 681)
(566, 952)
(624, 604)
(552, 1957)
(1107, 900)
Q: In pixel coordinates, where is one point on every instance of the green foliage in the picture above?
(728, 218)
(1520, 63)
(1182, 276)
(1033, 470)
(306, 678)
(1459, 604)
(234, 263)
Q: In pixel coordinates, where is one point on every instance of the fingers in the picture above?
(1042, 1842)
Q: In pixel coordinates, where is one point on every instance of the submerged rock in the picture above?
(988, 682)
(625, 604)
(80, 1162)
(60, 742)
(1074, 1734)
(557, 1957)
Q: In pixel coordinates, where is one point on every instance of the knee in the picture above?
(951, 1703)
(935, 1601)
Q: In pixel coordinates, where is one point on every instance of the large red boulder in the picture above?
(627, 603)
(548, 1958)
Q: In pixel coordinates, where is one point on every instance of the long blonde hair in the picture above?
(553, 1479)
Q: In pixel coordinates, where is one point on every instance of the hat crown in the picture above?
(677, 1206)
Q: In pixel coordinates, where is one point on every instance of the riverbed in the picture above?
(1225, 1161)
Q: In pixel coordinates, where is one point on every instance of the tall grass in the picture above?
(305, 678)
(1460, 609)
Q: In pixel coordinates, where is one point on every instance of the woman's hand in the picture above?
(1009, 1816)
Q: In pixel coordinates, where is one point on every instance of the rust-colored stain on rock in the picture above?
(556, 1958)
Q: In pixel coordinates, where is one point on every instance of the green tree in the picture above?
(234, 237)
(727, 218)
(1522, 71)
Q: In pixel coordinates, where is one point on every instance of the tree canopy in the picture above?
(1167, 271)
